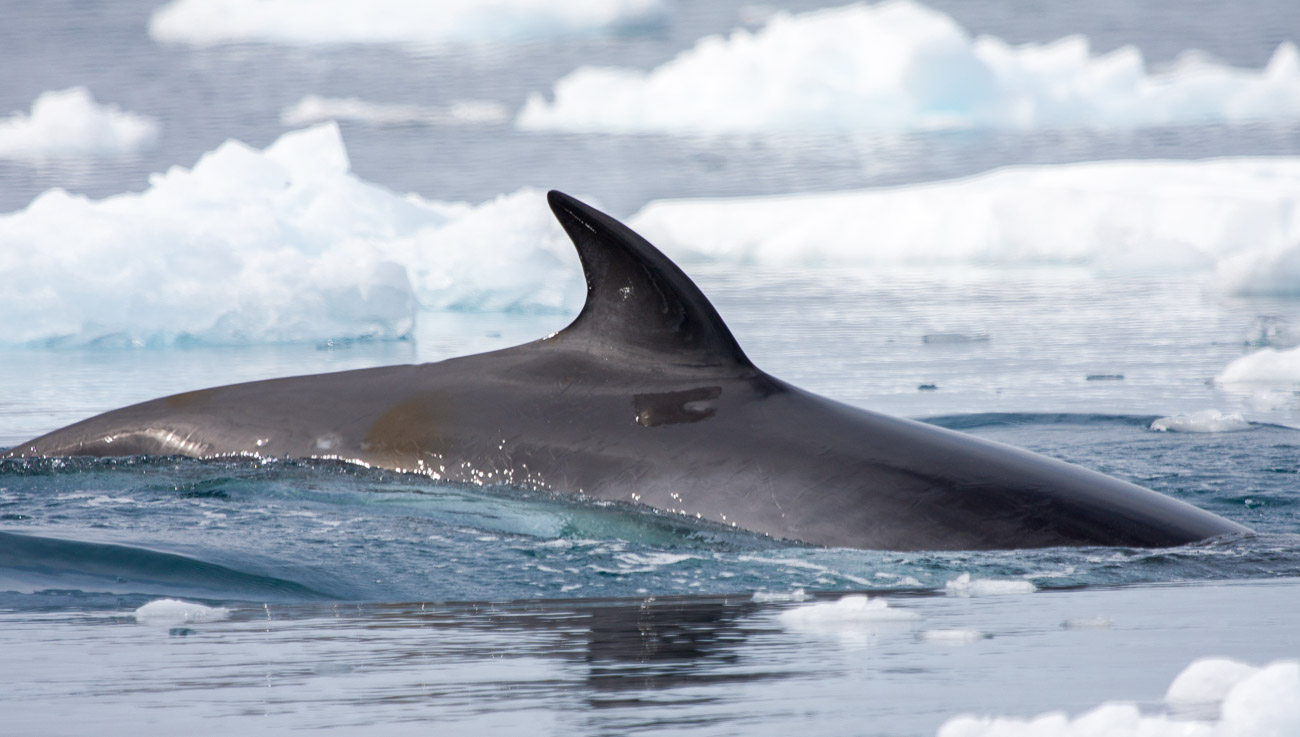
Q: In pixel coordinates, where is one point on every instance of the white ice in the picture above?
(848, 610)
(70, 124)
(174, 611)
(900, 65)
(965, 586)
(317, 109)
(1236, 220)
(1209, 420)
(1267, 366)
(1256, 702)
(208, 22)
(283, 244)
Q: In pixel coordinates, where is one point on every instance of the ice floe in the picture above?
(1267, 366)
(316, 109)
(208, 22)
(283, 244)
(1209, 420)
(70, 124)
(849, 611)
(1237, 219)
(901, 65)
(1256, 702)
(965, 586)
(174, 611)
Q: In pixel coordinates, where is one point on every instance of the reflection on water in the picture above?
(702, 665)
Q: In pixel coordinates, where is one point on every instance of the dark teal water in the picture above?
(115, 533)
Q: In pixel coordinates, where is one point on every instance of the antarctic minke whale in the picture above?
(647, 398)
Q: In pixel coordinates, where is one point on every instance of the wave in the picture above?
(30, 564)
(1021, 419)
(900, 65)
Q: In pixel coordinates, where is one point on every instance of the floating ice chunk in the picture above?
(208, 22)
(173, 611)
(316, 109)
(255, 246)
(1265, 366)
(965, 586)
(854, 609)
(1120, 217)
(1209, 420)
(901, 65)
(952, 637)
(764, 597)
(1262, 703)
(950, 338)
(1207, 681)
(69, 124)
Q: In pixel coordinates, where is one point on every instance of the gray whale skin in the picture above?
(647, 398)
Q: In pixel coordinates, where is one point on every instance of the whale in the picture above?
(647, 399)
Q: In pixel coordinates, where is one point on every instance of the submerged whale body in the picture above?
(647, 398)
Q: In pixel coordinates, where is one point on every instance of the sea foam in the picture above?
(1210, 420)
(1256, 702)
(70, 124)
(283, 244)
(900, 65)
(208, 22)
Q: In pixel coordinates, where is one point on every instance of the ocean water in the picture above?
(325, 596)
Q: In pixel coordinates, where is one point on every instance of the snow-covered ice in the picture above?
(1236, 219)
(70, 124)
(208, 22)
(174, 611)
(1209, 420)
(1267, 366)
(1256, 702)
(283, 244)
(901, 65)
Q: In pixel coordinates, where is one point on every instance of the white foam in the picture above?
(1237, 219)
(316, 109)
(208, 22)
(1209, 420)
(173, 611)
(965, 586)
(1088, 623)
(901, 65)
(1268, 366)
(1262, 702)
(282, 244)
(70, 124)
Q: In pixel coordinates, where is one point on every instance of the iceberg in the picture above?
(899, 66)
(305, 22)
(278, 245)
(70, 124)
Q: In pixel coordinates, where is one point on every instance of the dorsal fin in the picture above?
(638, 301)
